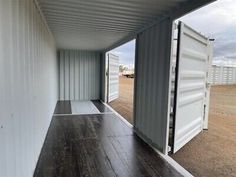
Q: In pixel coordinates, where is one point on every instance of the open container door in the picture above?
(190, 93)
(113, 77)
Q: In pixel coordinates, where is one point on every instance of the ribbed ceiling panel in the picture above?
(98, 24)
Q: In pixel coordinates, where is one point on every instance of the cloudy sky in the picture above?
(217, 20)
(126, 54)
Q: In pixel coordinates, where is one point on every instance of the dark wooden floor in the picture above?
(63, 107)
(97, 146)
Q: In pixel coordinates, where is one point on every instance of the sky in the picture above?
(126, 54)
(216, 20)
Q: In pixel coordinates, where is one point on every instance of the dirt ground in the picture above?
(124, 104)
(213, 152)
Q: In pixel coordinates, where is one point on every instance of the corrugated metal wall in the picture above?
(152, 84)
(222, 75)
(28, 86)
(79, 75)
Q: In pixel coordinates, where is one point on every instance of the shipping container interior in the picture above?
(53, 53)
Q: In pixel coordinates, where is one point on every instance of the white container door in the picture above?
(113, 77)
(190, 95)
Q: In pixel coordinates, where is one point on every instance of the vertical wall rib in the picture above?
(79, 75)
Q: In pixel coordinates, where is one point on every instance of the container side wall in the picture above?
(28, 86)
(152, 84)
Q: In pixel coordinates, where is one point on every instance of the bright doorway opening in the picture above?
(120, 79)
(212, 151)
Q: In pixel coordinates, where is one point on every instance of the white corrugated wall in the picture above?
(223, 75)
(28, 86)
(79, 75)
(152, 84)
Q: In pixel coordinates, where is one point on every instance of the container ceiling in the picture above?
(100, 24)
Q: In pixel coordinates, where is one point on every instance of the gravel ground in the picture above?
(213, 152)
